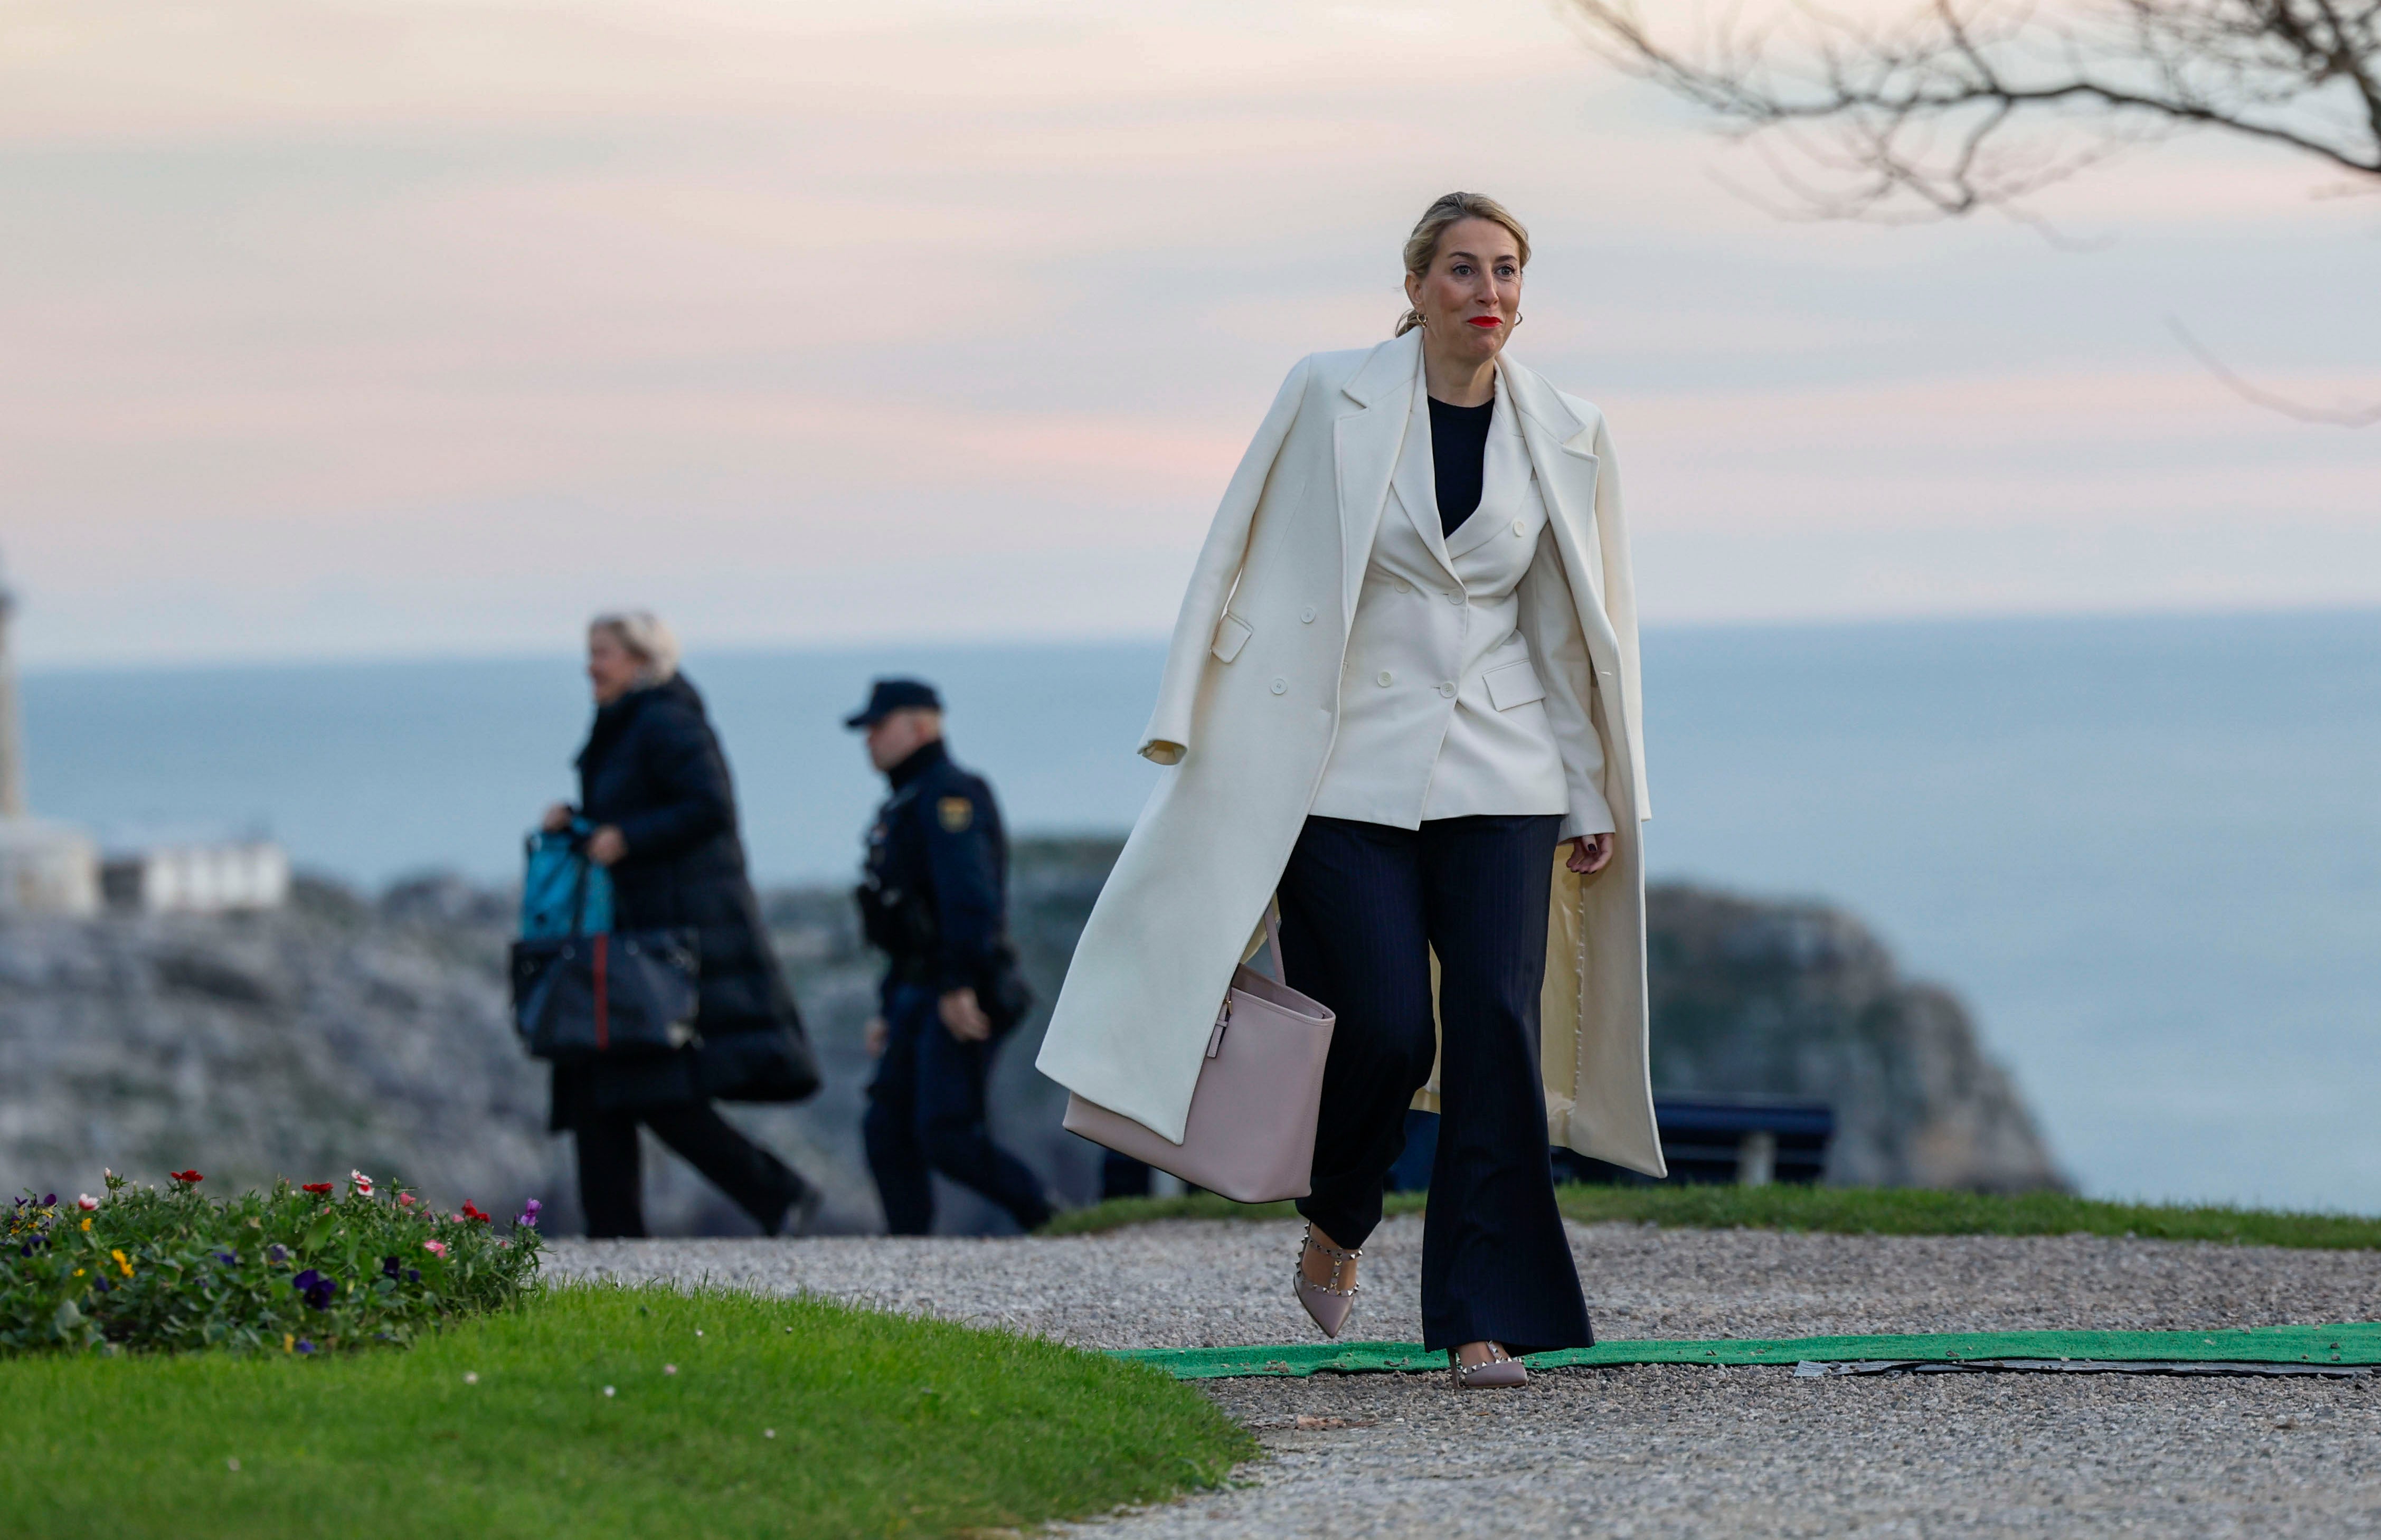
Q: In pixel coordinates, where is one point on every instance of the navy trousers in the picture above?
(926, 1113)
(1362, 907)
(611, 1183)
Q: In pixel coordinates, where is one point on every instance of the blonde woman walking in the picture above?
(1402, 699)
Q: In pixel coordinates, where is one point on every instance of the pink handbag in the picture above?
(1250, 1135)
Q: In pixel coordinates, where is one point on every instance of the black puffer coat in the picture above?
(653, 769)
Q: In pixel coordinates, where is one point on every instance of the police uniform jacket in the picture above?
(936, 871)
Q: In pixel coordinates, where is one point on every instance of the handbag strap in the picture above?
(1272, 939)
(579, 863)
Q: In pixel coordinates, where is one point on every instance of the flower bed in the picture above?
(303, 1270)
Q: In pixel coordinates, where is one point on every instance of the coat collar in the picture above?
(1368, 440)
(1562, 450)
(1365, 444)
(1542, 406)
(1389, 371)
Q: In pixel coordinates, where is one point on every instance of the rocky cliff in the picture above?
(346, 1033)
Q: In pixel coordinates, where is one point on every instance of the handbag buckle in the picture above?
(1223, 1020)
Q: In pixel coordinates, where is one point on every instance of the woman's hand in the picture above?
(558, 818)
(606, 845)
(1590, 854)
(963, 1016)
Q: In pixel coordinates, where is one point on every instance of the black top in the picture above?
(932, 896)
(1458, 445)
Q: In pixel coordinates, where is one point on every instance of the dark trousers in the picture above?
(611, 1183)
(1363, 905)
(926, 1113)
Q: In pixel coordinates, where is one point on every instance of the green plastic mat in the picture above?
(2358, 1343)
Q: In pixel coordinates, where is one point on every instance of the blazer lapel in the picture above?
(1504, 477)
(1417, 480)
(1365, 445)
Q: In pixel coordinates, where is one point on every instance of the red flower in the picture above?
(317, 1187)
(470, 1212)
(186, 1176)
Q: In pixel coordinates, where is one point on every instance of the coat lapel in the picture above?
(1365, 444)
(1558, 445)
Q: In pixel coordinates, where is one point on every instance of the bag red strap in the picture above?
(602, 994)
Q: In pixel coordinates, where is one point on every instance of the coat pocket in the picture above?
(1515, 684)
(1231, 634)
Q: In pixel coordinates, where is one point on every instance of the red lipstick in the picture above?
(1486, 320)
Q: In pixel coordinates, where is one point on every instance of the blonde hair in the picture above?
(1453, 208)
(648, 637)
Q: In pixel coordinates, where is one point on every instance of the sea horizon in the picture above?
(2143, 848)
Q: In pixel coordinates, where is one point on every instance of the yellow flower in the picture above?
(77, 1272)
(86, 1221)
(288, 1343)
(122, 1262)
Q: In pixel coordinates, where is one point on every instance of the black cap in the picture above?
(888, 696)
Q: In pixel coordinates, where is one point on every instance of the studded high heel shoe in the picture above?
(1329, 1304)
(1501, 1370)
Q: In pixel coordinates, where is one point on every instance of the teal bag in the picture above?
(563, 892)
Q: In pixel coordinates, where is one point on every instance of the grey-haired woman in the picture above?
(654, 781)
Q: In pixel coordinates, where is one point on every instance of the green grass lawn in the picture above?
(783, 1418)
(1836, 1210)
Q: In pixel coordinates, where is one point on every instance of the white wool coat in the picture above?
(1247, 714)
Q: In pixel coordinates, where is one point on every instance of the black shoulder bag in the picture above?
(612, 995)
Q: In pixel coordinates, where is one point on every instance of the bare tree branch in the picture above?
(2342, 417)
(1963, 104)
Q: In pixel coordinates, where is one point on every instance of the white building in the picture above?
(199, 879)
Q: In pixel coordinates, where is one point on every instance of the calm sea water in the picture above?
(2147, 851)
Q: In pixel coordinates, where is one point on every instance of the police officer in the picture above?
(932, 900)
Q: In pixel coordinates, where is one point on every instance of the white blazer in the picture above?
(1248, 712)
(1466, 660)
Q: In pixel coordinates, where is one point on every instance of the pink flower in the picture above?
(405, 1199)
(361, 1182)
(436, 1248)
(86, 1203)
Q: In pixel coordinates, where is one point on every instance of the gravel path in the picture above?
(1658, 1450)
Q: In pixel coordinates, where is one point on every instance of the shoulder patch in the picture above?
(956, 813)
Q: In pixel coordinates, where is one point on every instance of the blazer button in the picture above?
(1520, 526)
(1446, 691)
(1281, 687)
(1404, 587)
(1385, 679)
(1455, 598)
(1306, 615)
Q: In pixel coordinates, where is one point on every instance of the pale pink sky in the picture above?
(381, 327)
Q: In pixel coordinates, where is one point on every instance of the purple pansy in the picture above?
(314, 1288)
